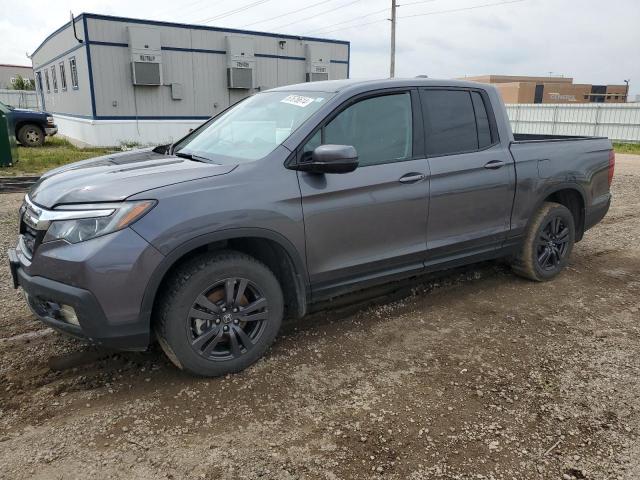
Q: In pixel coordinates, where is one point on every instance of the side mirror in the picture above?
(330, 159)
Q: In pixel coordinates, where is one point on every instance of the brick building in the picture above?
(524, 89)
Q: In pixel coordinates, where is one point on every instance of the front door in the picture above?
(371, 223)
(472, 175)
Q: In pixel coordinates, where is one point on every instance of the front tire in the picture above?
(219, 313)
(31, 135)
(547, 244)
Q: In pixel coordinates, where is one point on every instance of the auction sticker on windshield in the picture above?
(298, 100)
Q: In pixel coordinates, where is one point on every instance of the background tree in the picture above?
(21, 83)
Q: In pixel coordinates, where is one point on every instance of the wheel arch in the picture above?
(270, 247)
(570, 195)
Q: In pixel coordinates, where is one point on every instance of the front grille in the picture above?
(29, 243)
(30, 237)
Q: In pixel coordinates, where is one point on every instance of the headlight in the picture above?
(91, 221)
(50, 120)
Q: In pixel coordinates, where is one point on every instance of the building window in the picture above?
(74, 72)
(586, 97)
(46, 80)
(63, 77)
(615, 97)
(39, 81)
(54, 78)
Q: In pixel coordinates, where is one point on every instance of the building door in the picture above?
(40, 92)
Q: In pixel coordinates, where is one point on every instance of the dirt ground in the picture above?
(477, 375)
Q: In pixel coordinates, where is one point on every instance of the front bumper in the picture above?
(102, 279)
(50, 131)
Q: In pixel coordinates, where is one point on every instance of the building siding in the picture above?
(192, 55)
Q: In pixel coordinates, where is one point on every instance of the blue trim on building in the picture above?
(204, 50)
(284, 57)
(108, 44)
(151, 117)
(196, 50)
(205, 27)
(63, 27)
(71, 50)
(129, 117)
(87, 42)
(73, 115)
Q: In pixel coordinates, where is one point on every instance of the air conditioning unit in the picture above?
(318, 62)
(146, 55)
(241, 62)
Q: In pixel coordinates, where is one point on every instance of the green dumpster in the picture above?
(8, 150)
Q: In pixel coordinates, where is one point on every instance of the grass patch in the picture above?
(633, 148)
(54, 153)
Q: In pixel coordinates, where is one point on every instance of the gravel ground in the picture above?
(477, 375)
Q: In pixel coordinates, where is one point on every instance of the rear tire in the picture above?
(547, 245)
(31, 135)
(219, 313)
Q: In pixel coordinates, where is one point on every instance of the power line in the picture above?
(348, 21)
(422, 15)
(357, 25)
(461, 9)
(368, 15)
(317, 14)
(234, 11)
(415, 3)
(286, 14)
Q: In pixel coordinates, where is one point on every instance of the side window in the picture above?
(450, 123)
(380, 129)
(74, 72)
(63, 77)
(54, 79)
(482, 120)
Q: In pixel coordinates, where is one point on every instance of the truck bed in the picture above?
(548, 163)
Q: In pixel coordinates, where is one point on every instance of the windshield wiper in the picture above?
(193, 157)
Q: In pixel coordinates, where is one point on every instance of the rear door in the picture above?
(371, 223)
(472, 174)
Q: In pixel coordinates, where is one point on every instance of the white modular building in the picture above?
(112, 80)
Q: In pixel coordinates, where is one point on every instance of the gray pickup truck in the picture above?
(294, 196)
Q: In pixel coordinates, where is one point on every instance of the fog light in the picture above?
(68, 314)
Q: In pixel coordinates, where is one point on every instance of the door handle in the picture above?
(412, 177)
(495, 164)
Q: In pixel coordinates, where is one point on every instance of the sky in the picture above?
(590, 40)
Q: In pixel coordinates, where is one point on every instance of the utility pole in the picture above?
(626, 95)
(392, 69)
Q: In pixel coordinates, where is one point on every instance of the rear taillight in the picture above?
(612, 165)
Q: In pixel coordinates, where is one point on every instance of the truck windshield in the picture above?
(254, 127)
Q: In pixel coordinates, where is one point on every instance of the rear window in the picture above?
(456, 121)
(450, 124)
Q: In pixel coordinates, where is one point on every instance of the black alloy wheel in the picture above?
(553, 244)
(227, 319)
(547, 243)
(218, 313)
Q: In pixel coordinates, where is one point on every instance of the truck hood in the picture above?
(118, 176)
